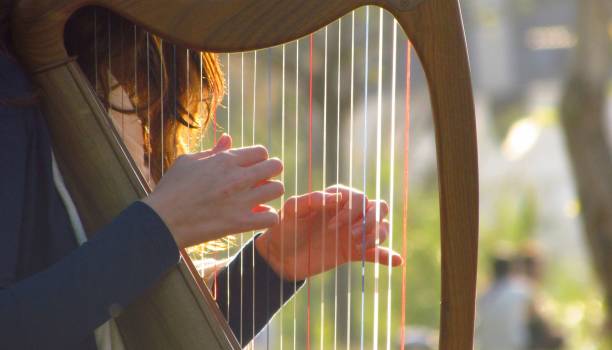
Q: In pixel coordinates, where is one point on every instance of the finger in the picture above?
(251, 155)
(318, 200)
(385, 256)
(371, 236)
(352, 211)
(305, 204)
(264, 217)
(224, 143)
(261, 171)
(265, 192)
(348, 194)
(261, 208)
(338, 188)
(370, 221)
(384, 207)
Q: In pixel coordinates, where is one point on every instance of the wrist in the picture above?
(266, 252)
(163, 215)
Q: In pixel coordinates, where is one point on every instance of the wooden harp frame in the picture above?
(179, 313)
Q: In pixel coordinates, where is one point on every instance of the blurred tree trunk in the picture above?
(583, 112)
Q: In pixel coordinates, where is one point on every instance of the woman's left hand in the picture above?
(319, 231)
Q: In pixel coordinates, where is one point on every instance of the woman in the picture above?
(54, 295)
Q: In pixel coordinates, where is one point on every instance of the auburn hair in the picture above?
(174, 91)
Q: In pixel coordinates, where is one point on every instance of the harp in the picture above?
(179, 312)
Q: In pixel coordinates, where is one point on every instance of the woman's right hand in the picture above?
(208, 195)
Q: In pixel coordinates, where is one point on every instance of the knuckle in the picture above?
(225, 156)
(260, 151)
(232, 184)
(237, 179)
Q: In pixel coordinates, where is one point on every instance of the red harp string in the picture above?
(405, 187)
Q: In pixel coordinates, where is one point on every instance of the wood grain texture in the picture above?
(436, 32)
(433, 26)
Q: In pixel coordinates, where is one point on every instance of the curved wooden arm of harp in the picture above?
(435, 30)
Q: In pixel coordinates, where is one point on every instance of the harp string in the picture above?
(253, 233)
(242, 234)
(282, 228)
(201, 66)
(269, 122)
(135, 98)
(95, 43)
(148, 131)
(350, 204)
(365, 158)
(174, 85)
(109, 77)
(391, 177)
(309, 281)
(161, 103)
(378, 175)
(405, 185)
(324, 174)
(229, 104)
(122, 75)
(189, 116)
(337, 231)
(296, 172)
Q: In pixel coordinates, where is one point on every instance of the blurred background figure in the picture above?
(509, 316)
(541, 332)
(420, 338)
(503, 309)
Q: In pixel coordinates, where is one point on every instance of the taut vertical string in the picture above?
(253, 234)
(122, 77)
(405, 192)
(109, 74)
(391, 178)
(349, 241)
(174, 85)
(324, 174)
(135, 99)
(189, 116)
(229, 104)
(282, 252)
(337, 182)
(296, 172)
(311, 44)
(378, 175)
(95, 43)
(161, 102)
(241, 145)
(269, 122)
(365, 159)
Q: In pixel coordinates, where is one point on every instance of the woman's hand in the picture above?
(207, 195)
(322, 230)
